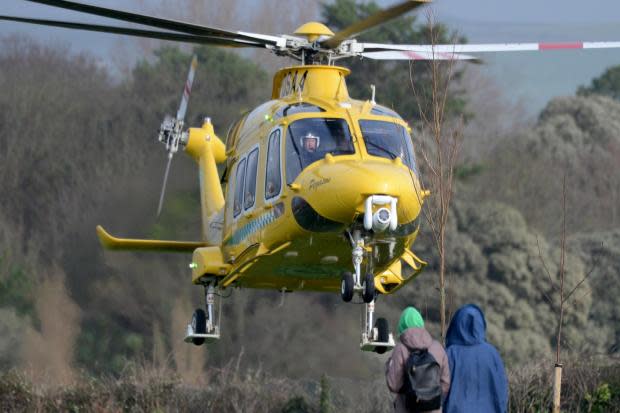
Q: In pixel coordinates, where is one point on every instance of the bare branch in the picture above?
(578, 300)
(590, 271)
(542, 260)
(415, 94)
(548, 299)
(563, 241)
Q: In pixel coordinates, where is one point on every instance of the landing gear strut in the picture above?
(205, 326)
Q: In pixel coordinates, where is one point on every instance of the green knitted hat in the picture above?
(410, 318)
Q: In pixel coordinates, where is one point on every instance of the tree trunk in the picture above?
(442, 283)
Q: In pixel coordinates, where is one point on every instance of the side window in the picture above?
(273, 181)
(239, 181)
(249, 196)
(413, 163)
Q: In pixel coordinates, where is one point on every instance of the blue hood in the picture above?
(468, 327)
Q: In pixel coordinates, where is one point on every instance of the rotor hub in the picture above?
(313, 31)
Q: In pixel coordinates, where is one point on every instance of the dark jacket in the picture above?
(478, 379)
(414, 339)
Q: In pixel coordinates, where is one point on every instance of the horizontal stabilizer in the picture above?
(113, 243)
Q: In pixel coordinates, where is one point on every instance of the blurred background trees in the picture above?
(78, 149)
(607, 84)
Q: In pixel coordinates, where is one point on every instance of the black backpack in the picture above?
(422, 385)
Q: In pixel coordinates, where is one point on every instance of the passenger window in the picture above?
(273, 181)
(249, 196)
(239, 181)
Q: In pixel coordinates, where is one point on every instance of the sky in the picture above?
(536, 77)
(530, 77)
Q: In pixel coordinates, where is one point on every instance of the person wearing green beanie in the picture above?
(410, 318)
(414, 337)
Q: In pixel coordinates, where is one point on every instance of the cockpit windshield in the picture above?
(310, 139)
(388, 140)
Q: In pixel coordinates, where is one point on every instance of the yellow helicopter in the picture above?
(319, 191)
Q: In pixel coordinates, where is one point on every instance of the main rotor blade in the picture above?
(372, 21)
(168, 24)
(483, 48)
(151, 34)
(409, 55)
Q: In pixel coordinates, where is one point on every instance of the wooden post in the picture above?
(557, 387)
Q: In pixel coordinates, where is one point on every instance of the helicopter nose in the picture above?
(339, 189)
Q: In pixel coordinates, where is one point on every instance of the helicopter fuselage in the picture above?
(305, 177)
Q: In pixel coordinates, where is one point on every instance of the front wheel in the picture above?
(346, 287)
(368, 293)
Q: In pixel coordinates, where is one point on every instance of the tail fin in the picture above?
(208, 150)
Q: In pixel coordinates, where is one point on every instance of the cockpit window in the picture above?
(302, 107)
(388, 140)
(310, 139)
(383, 111)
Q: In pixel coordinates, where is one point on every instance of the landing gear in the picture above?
(352, 283)
(377, 338)
(205, 326)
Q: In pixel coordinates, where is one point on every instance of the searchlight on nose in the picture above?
(380, 220)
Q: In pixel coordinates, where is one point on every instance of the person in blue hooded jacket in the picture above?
(477, 376)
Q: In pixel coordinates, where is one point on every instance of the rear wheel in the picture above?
(199, 325)
(346, 287)
(368, 293)
(383, 330)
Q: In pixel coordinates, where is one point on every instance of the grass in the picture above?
(591, 385)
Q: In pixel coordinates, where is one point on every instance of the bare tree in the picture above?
(440, 153)
(559, 288)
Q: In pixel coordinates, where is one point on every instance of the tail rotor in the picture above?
(171, 130)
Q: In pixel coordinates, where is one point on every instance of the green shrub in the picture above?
(297, 404)
(599, 401)
(16, 290)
